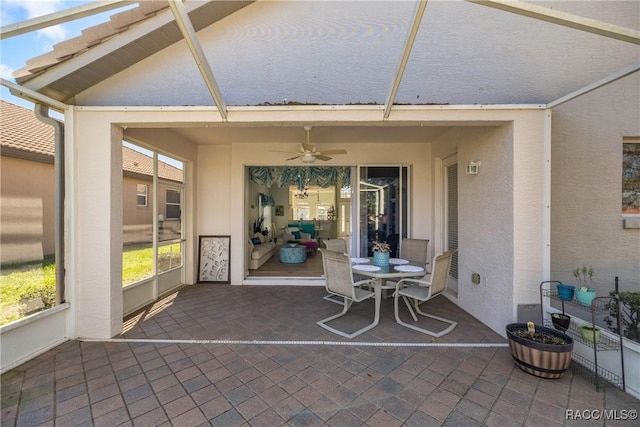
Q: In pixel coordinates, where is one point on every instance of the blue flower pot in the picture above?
(565, 292)
(381, 259)
(585, 297)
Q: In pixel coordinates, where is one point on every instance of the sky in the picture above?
(15, 51)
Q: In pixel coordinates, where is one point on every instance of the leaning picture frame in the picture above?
(214, 259)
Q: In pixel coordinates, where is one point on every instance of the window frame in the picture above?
(145, 195)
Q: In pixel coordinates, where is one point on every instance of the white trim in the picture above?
(33, 96)
(61, 17)
(408, 45)
(562, 18)
(546, 196)
(596, 85)
(189, 35)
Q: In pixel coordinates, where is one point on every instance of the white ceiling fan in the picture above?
(309, 154)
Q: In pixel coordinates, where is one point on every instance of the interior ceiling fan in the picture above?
(309, 154)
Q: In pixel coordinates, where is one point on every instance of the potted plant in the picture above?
(629, 316)
(565, 292)
(587, 332)
(539, 351)
(381, 252)
(561, 321)
(584, 277)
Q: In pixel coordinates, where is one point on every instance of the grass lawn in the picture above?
(25, 289)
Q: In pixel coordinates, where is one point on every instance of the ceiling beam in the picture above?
(189, 34)
(408, 45)
(61, 17)
(562, 18)
(593, 86)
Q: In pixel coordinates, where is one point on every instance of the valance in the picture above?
(322, 176)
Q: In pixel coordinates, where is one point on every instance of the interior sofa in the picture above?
(259, 253)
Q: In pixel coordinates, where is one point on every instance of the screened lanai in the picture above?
(535, 92)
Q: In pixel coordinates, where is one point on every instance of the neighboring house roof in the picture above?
(22, 135)
(21, 131)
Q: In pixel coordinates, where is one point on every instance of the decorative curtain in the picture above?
(266, 200)
(323, 176)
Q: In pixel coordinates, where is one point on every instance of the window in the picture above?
(173, 204)
(142, 192)
(631, 176)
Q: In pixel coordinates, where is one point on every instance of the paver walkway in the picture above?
(237, 356)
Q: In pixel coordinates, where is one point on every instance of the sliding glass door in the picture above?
(382, 207)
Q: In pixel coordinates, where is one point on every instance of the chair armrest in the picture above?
(364, 282)
(422, 283)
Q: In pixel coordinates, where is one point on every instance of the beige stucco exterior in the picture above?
(27, 210)
(509, 257)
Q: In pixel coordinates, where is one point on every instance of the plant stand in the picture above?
(603, 343)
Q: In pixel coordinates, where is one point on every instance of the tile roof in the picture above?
(21, 131)
(90, 37)
(154, 28)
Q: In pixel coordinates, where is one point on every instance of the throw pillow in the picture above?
(256, 240)
(296, 235)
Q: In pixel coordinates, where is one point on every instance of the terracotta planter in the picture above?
(541, 360)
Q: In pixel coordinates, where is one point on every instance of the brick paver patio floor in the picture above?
(225, 355)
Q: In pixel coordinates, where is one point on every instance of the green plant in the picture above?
(630, 316)
(584, 276)
(381, 247)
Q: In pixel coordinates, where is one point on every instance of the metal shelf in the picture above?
(599, 305)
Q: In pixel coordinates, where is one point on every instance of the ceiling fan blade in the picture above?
(335, 152)
(322, 157)
(308, 147)
(295, 157)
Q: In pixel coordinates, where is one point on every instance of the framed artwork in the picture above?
(279, 210)
(214, 259)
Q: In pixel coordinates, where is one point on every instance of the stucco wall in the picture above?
(586, 193)
(27, 210)
(500, 215)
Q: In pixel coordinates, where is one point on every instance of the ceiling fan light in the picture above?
(308, 158)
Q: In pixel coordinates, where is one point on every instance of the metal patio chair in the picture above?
(417, 291)
(339, 281)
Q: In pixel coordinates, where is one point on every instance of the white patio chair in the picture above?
(340, 246)
(414, 250)
(336, 245)
(339, 281)
(418, 291)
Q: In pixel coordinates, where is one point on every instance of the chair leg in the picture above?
(445, 331)
(334, 299)
(347, 305)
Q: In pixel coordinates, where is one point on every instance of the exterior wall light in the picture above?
(473, 168)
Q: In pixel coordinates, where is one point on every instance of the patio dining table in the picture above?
(397, 269)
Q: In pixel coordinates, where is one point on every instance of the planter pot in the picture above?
(565, 292)
(541, 360)
(381, 259)
(586, 332)
(585, 297)
(561, 321)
